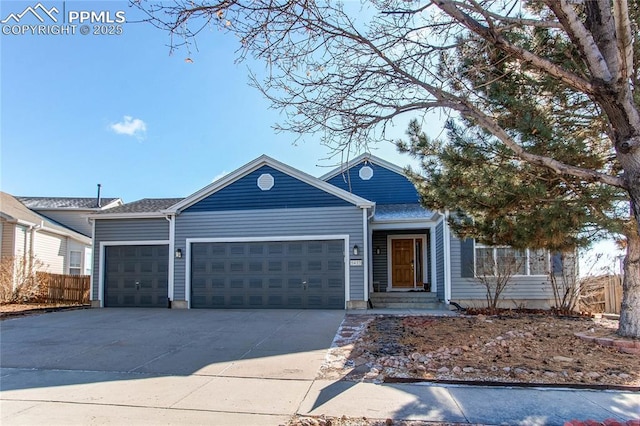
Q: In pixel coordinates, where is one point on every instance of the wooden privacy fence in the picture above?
(601, 294)
(613, 295)
(58, 288)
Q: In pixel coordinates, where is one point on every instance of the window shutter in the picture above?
(467, 266)
(556, 263)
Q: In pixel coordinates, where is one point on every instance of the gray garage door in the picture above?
(283, 274)
(136, 276)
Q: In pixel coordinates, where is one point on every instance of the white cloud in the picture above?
(130, 126)
(220, 175)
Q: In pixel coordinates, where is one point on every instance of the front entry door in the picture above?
(402, 263)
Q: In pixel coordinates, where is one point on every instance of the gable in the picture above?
(383, 187)
(286, 192)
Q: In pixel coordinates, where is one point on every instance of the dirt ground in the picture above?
(13, 309)
(514, 349)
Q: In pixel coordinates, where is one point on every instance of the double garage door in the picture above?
(269, 274)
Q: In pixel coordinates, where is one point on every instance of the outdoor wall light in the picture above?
(378, 250)
(356, 250)
(178, 253)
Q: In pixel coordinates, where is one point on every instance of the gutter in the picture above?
(146, 215)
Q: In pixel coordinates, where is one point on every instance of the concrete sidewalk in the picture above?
(468, 404)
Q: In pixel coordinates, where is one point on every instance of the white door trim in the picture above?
(422, 237)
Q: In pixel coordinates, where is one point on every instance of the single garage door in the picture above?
(136, 276)
(273, 274)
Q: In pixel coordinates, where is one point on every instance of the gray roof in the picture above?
(43, 203)
(391, 212)
(12, 209)
(146, 205)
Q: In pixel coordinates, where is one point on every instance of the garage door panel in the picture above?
(289, 274)
(136, 276)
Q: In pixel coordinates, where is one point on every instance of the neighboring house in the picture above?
(270, 236)
(70, 211)
(26, 235)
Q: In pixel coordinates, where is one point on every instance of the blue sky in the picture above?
(65, 98)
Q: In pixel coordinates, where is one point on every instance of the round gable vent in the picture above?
(265, 182)
(366, 173)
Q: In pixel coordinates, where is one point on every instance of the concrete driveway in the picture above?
(151, 366)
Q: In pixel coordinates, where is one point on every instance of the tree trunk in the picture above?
(630, 311)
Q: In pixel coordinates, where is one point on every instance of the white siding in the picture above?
(7, 247)
(51, 250)
(21, 243)
(88, 260)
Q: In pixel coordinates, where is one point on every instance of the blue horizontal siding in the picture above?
(287, 193)
(385, 187)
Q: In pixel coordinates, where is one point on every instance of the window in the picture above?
(75, 262)
(493, 261)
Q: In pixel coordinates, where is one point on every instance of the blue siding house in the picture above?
(270, 236)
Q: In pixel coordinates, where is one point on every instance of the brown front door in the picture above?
(402, 268)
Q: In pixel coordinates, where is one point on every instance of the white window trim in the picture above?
(527, 262)
(81, 266)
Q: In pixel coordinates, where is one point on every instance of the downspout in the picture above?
(172, 238)
(446, 234)
(94, 270)
(34, 230)
(31, 265)
(370, 237)
(365, 248)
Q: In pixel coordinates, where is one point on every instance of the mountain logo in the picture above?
(38, 11)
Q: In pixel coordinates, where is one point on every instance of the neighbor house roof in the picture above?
(12, 210)
(400, 212)
(80, 203)
(143, 206)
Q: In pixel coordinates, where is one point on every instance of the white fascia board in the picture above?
(265, 160)
(432, 219)
(372, 158)
(142, 215)
(69, 209)
(115, 203)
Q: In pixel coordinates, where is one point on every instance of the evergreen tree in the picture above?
(499, 199)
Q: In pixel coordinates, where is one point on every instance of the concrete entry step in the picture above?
(407, 300)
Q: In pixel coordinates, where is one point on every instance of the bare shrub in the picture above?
(18, 279)
(565, 284)
(494, 273)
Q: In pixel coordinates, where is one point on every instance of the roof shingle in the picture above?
(44, 203)
(12, 209)
(146, 205)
